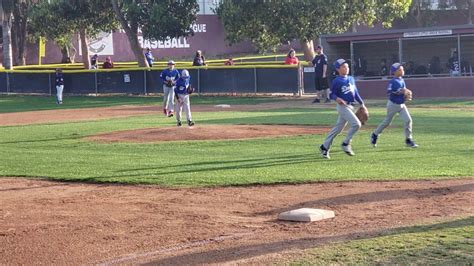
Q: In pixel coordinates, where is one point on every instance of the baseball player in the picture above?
(169, 77)
(345, 93)
(59, 86)
(182, 92)
(396, 104)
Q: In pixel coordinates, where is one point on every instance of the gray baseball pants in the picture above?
(168, 98)
(183, 102)
(346, 114)
(392, 110)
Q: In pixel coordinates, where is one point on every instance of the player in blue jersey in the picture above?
(169, 77)
(182, 92)
(396, 104)
(345, 93)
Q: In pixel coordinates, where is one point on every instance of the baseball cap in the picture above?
(338, 63)
(319, 46)
(171, 62)
(395, 67)
(184, 73)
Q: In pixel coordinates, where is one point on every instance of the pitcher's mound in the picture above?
(208, 132)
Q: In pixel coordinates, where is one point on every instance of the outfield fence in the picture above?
(261, 79)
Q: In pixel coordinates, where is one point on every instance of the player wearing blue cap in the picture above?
(396, 104)
(345, 93)
(169, 77)
(182, 92)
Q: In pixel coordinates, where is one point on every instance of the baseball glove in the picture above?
(362, 114)
(169, 83)
(408, 95)
(190, 90)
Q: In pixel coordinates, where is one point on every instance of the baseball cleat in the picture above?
(165, 111)
(179, 123)
(316, 100)
(190, 123)
(324, 151)
(410, 143)
(373, 140)
(347, 149)
(170, 114)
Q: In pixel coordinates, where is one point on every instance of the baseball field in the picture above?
(111, 180)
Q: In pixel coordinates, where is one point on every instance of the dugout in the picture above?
(427, 54)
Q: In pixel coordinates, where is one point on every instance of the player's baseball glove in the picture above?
(169, 83)
(363, 115)
(190, 89)
(408, 95)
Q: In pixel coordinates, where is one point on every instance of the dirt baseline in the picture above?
(207, 132)
(44, 222)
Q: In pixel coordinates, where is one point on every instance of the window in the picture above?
(206, 6)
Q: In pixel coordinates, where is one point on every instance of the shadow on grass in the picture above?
(249, 251)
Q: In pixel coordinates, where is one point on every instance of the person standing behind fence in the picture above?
(345, 93)
(108, 63)
(396, 104)
(320, 63)
(182, 92)
(59, 86)
(291, 58)
(454, 66)
(199, 59)
(95, 62)
(169, 76)
(149, 57)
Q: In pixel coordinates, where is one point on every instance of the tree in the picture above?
(271, 23)
(6, 10)
(467, 6)
(157, 20)
(21, 10)
(69, 17)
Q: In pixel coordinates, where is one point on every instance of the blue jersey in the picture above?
(149, 57)
(181, 85)
(59, 79)
(318, 62)
(393, 90)
(345, 88)
(168, 75)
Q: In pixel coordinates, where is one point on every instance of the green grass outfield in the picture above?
(444, 243)
(58, 151)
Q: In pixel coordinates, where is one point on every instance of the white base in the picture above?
(222, 106)
(306, 215)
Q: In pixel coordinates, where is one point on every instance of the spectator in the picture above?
(320, 63)
(383, 68)
(199, 59)
(291, 58)
(453, 64)
(409, 68)
(360, 66)
(149, 57)
(229, 62)
(466, 67)
(108, 63)
(59, 85)
(95, 62)
(435, 65)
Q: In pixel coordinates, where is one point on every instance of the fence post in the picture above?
(300, 80)
(199, 82)
(144, 82)
(255, 79)
(8, 83)
(49, 82)
(95, 77)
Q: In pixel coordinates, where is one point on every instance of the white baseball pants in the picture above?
(346, 114)
(392, 110)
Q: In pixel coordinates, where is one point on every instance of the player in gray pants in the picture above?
(345, 93)
(396, 104)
